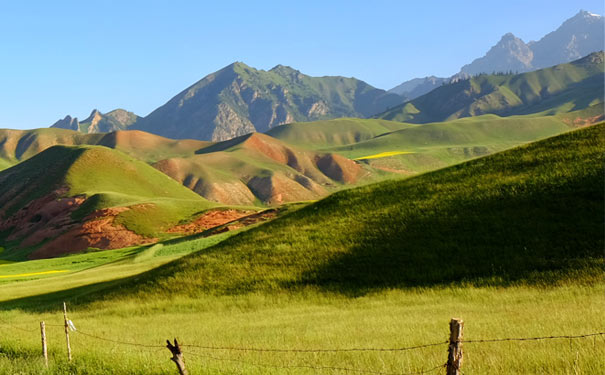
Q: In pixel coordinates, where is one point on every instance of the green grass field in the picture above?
(511, 243)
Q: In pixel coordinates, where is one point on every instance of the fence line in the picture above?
(244, 349)
(535, 338)
(453, 343)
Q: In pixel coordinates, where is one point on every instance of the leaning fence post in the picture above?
(454, 357)
(177, 356)
(44, 348)
(66, 331)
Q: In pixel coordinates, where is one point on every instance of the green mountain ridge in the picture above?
(562, 88)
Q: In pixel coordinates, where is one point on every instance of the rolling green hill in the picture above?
(67, 199)
(421, 148)
(19, 145)
(529, 215)
(412, 148)
(562, 88)
(329, 134)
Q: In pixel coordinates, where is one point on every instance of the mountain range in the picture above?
(238, 99)
(575, 38)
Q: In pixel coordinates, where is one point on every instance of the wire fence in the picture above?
(293, 365)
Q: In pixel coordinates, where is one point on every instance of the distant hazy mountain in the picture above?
(575, 38)
(98, 122)
(238, 100)
(417, 87)
(562, 88)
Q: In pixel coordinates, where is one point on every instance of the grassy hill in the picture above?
(562, 88)
(533, 214)
(69, 198)
(329, 134)
(411, 148)
(426, 147)
(19, 145)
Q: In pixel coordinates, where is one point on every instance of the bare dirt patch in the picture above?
(209, 220)
(98, 230)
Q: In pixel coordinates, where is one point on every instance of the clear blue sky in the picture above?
(68, 57)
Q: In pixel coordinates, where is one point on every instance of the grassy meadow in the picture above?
(311, 319)
(511, 243)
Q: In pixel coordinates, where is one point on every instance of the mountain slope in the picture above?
(238, 100)
(98, 122)
(67, 199)
(563, 88)
(531, 214)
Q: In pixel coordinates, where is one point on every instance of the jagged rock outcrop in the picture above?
(98, 122)
(70, 123)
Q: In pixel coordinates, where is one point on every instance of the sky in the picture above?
(69, 57)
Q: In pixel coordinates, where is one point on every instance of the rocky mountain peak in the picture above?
(510, 53)
(586, 15)
(95, 116)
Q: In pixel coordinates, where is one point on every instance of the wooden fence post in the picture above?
(44, 348)
(454, 357)
(177, 356)
(66, 331)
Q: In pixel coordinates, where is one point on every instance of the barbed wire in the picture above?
(17, 328)
(534, 338)
(118, 341)
(310, 367)
(244, 349)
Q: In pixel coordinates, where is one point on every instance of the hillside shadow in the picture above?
(510, 239)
